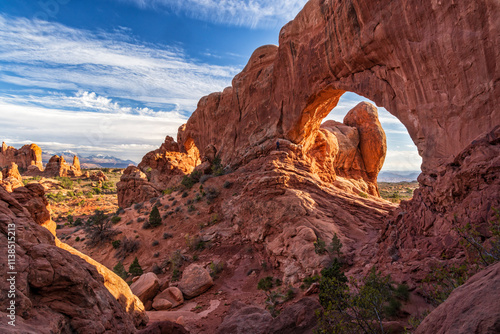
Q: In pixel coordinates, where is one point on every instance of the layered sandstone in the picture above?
(55, 291)
(434, 78)
(26, 156)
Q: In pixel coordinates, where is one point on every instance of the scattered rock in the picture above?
(171, 297)
(195, 280)
(146, 287)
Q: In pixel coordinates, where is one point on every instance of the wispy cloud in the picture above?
(249, 13)
(53, 56)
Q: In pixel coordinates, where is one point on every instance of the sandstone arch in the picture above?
(434, 67)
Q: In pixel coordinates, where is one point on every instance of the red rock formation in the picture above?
(55, 290)
(467, 190)
(11, 178)
(333, 46)
(26, 156)
(473, 308)
(57, 166)
(157, 171)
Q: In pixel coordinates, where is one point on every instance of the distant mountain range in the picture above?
(93, 161)
(398, 176)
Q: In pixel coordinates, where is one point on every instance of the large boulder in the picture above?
(195, 280)
(245, 319)
(146, 287)
(169, 298)
(473, 308)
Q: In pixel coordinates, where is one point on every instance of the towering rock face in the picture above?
(436, 70)
(56, 292)
(26, 156)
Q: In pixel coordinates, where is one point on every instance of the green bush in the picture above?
(116, 244)
(319, 246)
(360, 309)
(116, 219)
(66, 182)
(154, 217)
(119, 269)
(217, 168)
(135, 268)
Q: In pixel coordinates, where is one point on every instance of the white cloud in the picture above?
(249, 13)
(53, 56)
(123, 135)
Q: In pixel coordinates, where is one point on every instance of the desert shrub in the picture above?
(157, 269)
(185, 194)
(335, 247)
(217, 168)
(127, 246)
(216, 268)
(119, 211)
(167, 235)
(360, 308)
(97, 190)
(204, 178)
(195, 243)
(116, 219)
(77, 239)
(155, 255)
(214, 219)
(66, 182)
(273, 298)
(308, 281)
(227, 184)
(70, 219)
(119, 269)
(116, 244)
(211, 194)
(140, 219)
(363, 194)
(138, 206)
(155, 243)
(154, 217)
(168, 191)
(153, 200)
(135, 268)
(98, 229)
(191, 208)
(320, 246)
(190, 180)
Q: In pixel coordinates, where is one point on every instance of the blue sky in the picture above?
(116, 76)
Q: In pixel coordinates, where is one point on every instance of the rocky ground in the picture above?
(198, 227)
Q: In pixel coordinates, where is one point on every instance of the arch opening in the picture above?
(366, 145)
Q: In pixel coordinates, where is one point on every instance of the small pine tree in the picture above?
(119, 269)
(135, 268)
(154, 217)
